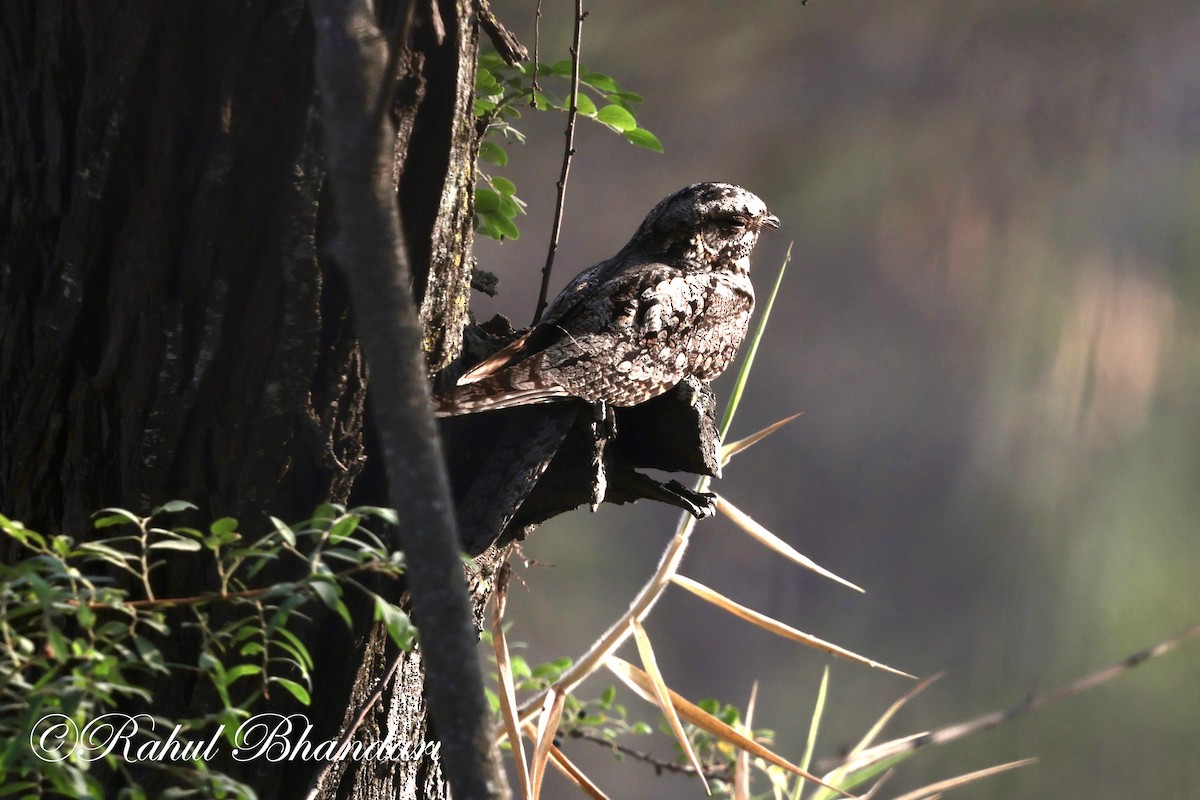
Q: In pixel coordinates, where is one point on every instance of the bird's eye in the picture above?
(735, 222)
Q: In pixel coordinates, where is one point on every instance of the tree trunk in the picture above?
(168, 327)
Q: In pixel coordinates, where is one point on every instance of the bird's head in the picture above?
(705, 226)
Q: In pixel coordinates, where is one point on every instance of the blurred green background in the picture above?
(992, 324)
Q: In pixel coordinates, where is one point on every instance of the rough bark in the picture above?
(168, 328)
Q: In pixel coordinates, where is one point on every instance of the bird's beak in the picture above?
(769, 221)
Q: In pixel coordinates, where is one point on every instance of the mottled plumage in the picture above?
(675, 301)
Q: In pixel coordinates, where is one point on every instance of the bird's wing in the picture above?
(555, 324)
(495, 362)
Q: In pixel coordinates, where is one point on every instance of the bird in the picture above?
(674, 302)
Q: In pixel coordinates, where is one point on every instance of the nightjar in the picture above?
(674, 302)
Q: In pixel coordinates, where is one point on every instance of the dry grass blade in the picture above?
(564, 765)
(730, 450)
(936, 789)
(895, 748)
(855, 761)
(640, 683)
(547, 727)
(663, 698)
(865, 742)
(878, 785)
(741, 767)
(777, 627)
(746, 523)
(506, 691)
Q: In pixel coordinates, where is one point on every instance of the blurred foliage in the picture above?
(994, 333)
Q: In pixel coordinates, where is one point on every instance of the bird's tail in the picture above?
(501, 390)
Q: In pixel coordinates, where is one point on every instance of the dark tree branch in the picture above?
(568, 154)
(369, 248)
(506, 44)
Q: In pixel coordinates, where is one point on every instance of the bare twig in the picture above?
(314, 785)
(218, 597)
(537, 38)
(660, 765)
(397, 42)
(568, 154)
(950, 733)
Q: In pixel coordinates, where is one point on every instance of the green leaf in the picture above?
(183, 545)
(284, 530)
(624, 98)
(241, 671)
(328, 511)
(492, 61)
(561, 69)
(173, 507)
(504, 227)
(388, 515)
(343, 528)
(617, 118)
(297, 649)
(585, 106)
(485, 80)
(85, 615)
(505, 187)
(106, 553)
(115, 516)
(222, 527)
(493, 153)
(298, 691)
(149, 653)
(399, 626)
(326, 590)
(509, 207)
(598, 81)
(486, 201)
(643, 138)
